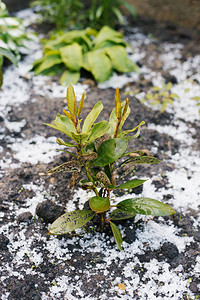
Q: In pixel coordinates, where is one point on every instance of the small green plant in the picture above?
(94, 13)
(160, 96)
(97, 52)
(12, 37)
(100, 152)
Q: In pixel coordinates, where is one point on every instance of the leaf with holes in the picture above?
(70, 221)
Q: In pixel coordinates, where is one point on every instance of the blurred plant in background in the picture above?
(99, 53)
(80, 14)
(13, 37)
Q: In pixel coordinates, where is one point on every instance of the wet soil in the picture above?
(43, 111)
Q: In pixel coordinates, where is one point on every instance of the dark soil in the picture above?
(43, 111)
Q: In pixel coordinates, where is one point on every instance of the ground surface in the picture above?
(161, 257)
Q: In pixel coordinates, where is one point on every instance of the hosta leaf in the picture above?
(118, 214)
(66, 144)
(130, 184)
(69, 76)
(68, 167)
(117, 236)
(145, 206)
(99, 204)
(106, 34)
(110, 151)
(92, 116)
(119, 58)
(98, 130)
(72, 56)
(100, 65)
(141, 160)
(9, 55)
(71, 221)
(49, 60)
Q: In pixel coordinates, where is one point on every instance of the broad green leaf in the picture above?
(70, 221)
(118, 214)
(9, 55)
(69, 76)
(72, 56)
(66, 144)
(92, 116)
(123, 133)
(49, 60)
(99, 204)
(80, 138)
(119, 58)
(130, 184)
(63, 124)
(105, 34)
(141, 160)
(98, 130)
(145, 206)
(117, 236)
(110, 151)
(100, 65)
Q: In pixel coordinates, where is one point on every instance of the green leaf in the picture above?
(141, 160)
(117, 236)
(69, 76)
(98, 130)
(130, 184)
(49, 60)
(9, 55)
(118, 214)
(145, 206)
(100, 65)
(118, 14)
(71, 99)
(72, 56)
(80, 138)
(67, 167)
(123, 133)
(119, 58)
(99, 204)
(70, 221)
(66, 144)
(63, 124)
(130, 8)
(106, 34)
(113, 119)
(110, 151)
(92, 116)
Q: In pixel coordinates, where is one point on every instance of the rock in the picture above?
(169, 250)
(25, 217)
(49, 211)
(3, 242)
